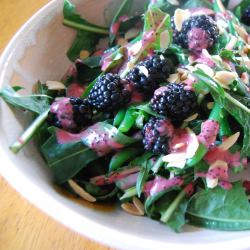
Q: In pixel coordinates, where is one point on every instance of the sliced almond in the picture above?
(209, 71)
(174, 157)
(122, 42)
(138, 204)
(210, 105)
(131, 33)
(217, 58)
(143, 70)
(231, 43)
(242, 32)
(245, 77)
(130, 208)
(211, 183)
(174, 78)
(218, 163)
(164, 39)
(179, 145)
(84, 54)
(192, 145)
(230, 141)
(180, 16)
(174, 2)
(225, 77)
(177, 164)
(55, 85)
(191, 118)
(81, 192)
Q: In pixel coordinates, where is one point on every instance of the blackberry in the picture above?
(71, 114)
(109, 93)
(174, 102)
(197, 33)
(245, 18)
(147, 75)
(157, 133)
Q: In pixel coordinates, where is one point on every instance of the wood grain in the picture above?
(22, 226)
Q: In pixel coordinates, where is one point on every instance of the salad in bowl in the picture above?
(153, 113)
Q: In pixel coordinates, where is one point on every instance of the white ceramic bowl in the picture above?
(38, 52)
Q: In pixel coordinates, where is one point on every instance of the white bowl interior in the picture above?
(38, 51)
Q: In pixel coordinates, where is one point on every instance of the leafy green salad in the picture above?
(153, 112)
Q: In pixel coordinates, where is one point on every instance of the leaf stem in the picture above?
(169, 212)
(85, 27)
(29, 132)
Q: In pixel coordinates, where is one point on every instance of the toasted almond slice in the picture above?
(217, 58)
(245, 77)
(221, 6)
(164, 39)
(242, 32)
(191, 118)
(130, 208)
(174, 157)
(174, 2)
(179, 145)
(218, 163)
(180, 16)
(225, 77)
(122, 42)
(177, 164)
(174, 78)
(131, 33)
(230, 141)
(211, 183)
(209, 71)
(210, 105)
(55, 85)
(84, 54)
(81, 192)
(143, 70)
(231, 43)
(192, 145)
(138, 204)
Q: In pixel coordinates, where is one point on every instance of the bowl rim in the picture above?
(49, 205)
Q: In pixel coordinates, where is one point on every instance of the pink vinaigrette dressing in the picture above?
(96, 137)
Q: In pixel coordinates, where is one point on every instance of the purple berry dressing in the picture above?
(198, 39)
(63, 110)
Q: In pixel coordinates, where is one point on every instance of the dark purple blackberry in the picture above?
(109, 93)
(174, 102)
(246, 16)
(147, 75)
(157, 133)
(197, 33)
(71, 114)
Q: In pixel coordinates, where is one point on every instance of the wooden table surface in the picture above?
(22, 226)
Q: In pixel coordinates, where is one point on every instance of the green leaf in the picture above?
(220, 209)
(74, 20)
(34, 103)
(177, 220)
(160, 22)
(196, 3)
(164, 5)
(61, 156)
(123, 10)
(84, 41)
(143, 176)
